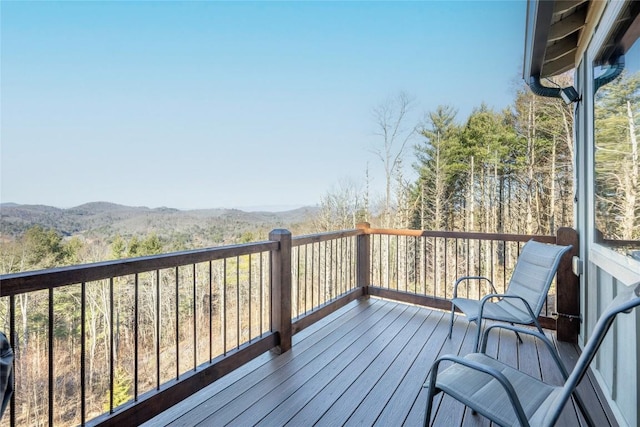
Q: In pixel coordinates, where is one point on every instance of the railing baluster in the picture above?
(224, 316)
(12, 342)
(351, 263)
(324, 276)
(480, 257)
(195, 321)
(261, 295)
(378, 260)
(342, 267)
(111, 345)
(158, 341)
(493, 263)
(404, 268)
(135, 338)
(379, 263)
(83, 390)
(210, 311)
(505, 259)
(388, 257)
(467, 245)
(335, 269)
(51, 359)
(436, 282)
(397, 262)
(238, 302)
(348, 248)
(306, 288)
(296, 277)
(332, 270)
(335, 265)
(446, 267)
(177, 296)
(250, 286)
(424, 265)
(313, 271)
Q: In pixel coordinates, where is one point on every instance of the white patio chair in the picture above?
(510, 397)
(526, 292)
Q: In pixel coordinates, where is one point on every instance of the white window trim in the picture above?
(623, 267)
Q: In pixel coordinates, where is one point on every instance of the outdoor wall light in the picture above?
(569, 94)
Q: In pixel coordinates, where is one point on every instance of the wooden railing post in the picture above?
(567, 289)
(364, 257)
(281, 289)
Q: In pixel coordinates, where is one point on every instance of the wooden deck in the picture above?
(364, 365)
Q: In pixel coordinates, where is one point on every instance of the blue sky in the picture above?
(231, 104)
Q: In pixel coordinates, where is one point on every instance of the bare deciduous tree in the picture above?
(391, 117)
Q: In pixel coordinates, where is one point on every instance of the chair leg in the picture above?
(477, 344)
(427, 414)
(431, 393)
(581, 405)
(453, 313)
(519, 339)
(517, 335)
(535, 322)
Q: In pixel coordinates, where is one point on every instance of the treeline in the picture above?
(507, 171)
(41, 248)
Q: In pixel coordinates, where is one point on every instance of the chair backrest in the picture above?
(534, 272)
(625, 302)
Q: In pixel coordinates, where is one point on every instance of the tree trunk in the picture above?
(552, 191)
(531, 135)
(631, 181)
(472, 207)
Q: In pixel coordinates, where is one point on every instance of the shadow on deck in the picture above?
(365, 365)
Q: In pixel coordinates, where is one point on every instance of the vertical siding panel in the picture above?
(627, 360)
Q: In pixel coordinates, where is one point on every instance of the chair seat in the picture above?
(489, 398)
(523, 298)
(501, 310)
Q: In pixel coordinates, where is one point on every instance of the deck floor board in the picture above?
(365, 365)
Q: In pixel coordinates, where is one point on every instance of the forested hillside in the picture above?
(508, 171)
(102, 219)
(37, 236)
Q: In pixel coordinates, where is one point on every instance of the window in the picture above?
(617, 164)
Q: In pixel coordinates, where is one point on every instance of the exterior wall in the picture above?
(617, 366)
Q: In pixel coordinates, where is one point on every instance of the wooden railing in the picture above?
(420, 267)
(142, 334)
(127, 338)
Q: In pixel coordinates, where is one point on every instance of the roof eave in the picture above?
(539, 15)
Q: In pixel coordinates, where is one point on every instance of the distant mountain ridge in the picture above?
(104, 219)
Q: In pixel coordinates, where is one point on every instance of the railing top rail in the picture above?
(323, 237)
(29, 281)
(463, 235)
(16, 283)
